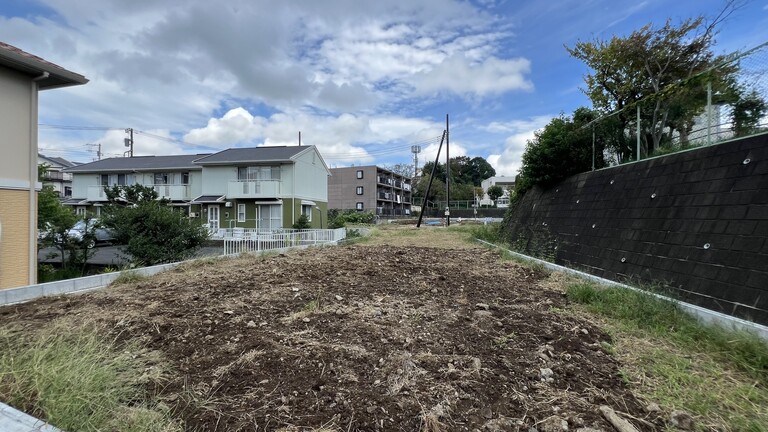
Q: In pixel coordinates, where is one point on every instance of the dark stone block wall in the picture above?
(694, 222)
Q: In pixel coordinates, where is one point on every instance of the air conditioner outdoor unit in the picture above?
(192, 214)
(228, 204)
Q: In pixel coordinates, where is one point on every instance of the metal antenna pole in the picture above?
(429, 185)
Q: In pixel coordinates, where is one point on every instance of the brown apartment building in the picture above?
(370, 188)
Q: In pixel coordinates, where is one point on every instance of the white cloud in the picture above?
(508, 162)
(491, 76)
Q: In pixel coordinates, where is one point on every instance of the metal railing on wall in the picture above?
(727, 101)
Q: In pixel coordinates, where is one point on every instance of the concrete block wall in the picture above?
(695, 223)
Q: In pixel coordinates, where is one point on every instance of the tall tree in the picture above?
(645, 65)
(153, 232)
(562, 148)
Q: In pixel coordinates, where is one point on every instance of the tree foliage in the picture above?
(466, 174)
(494, 192)
(152, 231)
(665, 71)
(561, 149)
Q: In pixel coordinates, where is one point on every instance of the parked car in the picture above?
(102, 235)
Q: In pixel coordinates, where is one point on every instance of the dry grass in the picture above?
(455, 237)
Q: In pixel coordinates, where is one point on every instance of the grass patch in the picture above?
(719, 375)
(129, 276)
(76, 380)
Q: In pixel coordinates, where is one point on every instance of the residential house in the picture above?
(53, 175)
(175, 178)
(261, 187)
(370, 188)
(506, 183)
(22, 76)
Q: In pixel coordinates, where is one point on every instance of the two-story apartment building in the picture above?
(175, 178)
(53, 175)
(263, 187)
(370, 188)
(22, 75)
(258, 187)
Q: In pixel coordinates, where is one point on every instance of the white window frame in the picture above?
(359, 206)
(359, 190)
(241, 212)
(359, 174)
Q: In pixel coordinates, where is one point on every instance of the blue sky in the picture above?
(361, 80)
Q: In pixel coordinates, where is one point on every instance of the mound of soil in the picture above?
(363, 338)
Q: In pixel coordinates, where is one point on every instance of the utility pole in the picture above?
(98, 149)
(447, 175)
(129, 141)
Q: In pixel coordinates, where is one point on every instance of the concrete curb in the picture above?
(13, 420)
(67, 286)
(702, 314)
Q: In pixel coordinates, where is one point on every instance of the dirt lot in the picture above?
(376, 336)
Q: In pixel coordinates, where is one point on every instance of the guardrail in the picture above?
(257, 242)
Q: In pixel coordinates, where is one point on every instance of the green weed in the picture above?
(76, 381)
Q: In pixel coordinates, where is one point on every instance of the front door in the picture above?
(213, 218)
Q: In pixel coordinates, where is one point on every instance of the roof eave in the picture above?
(57, 76)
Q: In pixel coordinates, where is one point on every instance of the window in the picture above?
(80, 211)
(185, 178)
(306, 210)
(359, 190)
(121, 179)
(270, 216)
(161, 178)
(359, 206)
(259, 173)
(241, 212)
(359, 174)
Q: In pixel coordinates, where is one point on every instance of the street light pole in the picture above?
(321, 216)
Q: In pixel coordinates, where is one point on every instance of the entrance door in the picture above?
(213, 218)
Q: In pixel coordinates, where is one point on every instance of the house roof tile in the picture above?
(138, 163)
(252, 154)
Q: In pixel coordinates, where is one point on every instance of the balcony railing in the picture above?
(253, 189)
(179, 192)
(55, 175)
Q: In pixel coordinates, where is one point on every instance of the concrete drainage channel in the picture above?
(702, 314)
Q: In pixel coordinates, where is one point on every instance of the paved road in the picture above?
(113, 255)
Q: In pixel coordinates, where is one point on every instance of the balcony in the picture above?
(179, 192)
(385, 196)
(56, 176)
(253, 189)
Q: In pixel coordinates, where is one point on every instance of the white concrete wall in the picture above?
(15, 109)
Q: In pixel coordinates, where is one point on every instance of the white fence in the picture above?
(255, 241)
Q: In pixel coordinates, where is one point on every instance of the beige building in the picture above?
(22, 75)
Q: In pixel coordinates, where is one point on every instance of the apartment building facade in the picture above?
(370, 188)
(22, 76)
(259, 187)
(54, 176)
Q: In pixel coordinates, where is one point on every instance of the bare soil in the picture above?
(369, 337)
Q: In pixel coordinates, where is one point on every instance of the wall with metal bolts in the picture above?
(694, 222)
